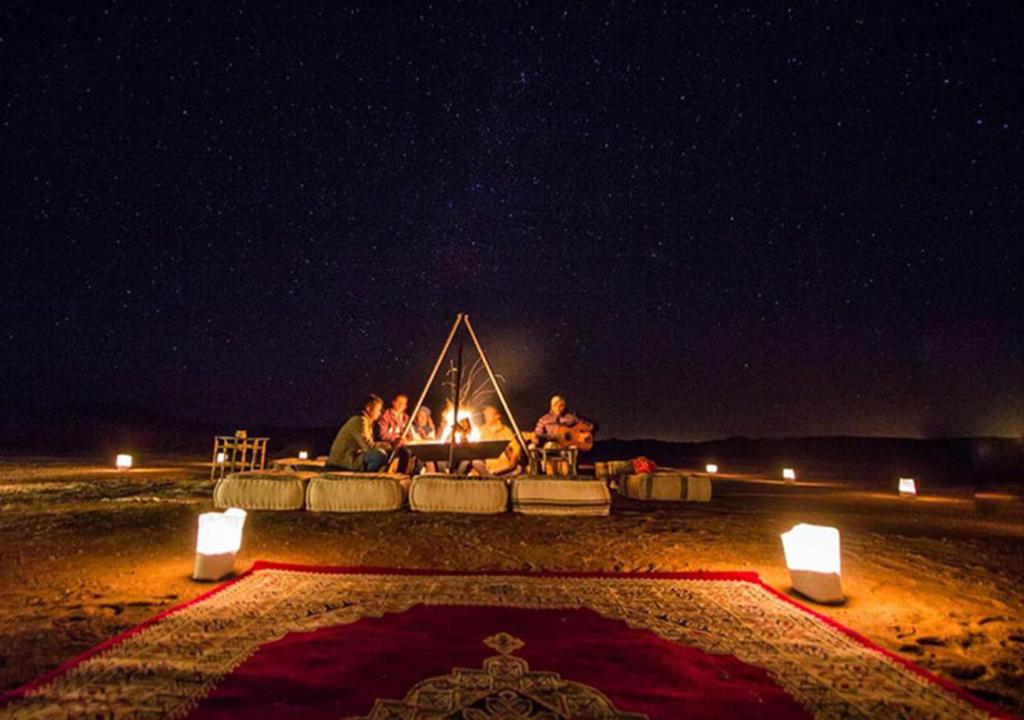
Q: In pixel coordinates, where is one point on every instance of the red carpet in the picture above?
(302, 642)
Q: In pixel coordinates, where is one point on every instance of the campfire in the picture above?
(467, 429)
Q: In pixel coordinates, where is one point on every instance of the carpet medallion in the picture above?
(306, 642)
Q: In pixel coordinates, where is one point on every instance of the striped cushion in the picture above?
(666, 486)
(613, 468)
(446, 493)
(356, 492)
(549, 496)
(262, 490)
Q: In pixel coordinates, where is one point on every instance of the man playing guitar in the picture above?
(565, 429)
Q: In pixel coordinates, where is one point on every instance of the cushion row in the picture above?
(362, 492)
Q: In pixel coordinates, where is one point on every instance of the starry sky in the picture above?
(768, 219)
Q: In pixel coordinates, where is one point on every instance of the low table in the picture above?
(297, 464)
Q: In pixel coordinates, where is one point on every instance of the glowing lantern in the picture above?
(710, 468)
(789, 474)
(303, 454)
(220, 458)
(220, 536)
(908, 487)
(812, 555)
(123, 462)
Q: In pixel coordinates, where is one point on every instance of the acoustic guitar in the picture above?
(579, 436)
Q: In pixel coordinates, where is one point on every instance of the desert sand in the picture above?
(86, 552)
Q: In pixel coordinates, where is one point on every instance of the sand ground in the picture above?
(86, 553)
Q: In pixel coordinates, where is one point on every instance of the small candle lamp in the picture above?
(217, 543)
(813, 559)
(123, 462)
(711, 468)
(303, 454)
(220, 457)
(908, 487)
(789, 474)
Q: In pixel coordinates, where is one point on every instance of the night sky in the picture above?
(780, 219)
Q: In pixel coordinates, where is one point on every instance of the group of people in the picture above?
(374, 434)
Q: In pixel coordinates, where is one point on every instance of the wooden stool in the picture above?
(554, 461)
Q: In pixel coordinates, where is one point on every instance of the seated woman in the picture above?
(494, 429)
(354, 448)
(424, 430)
(389, 427)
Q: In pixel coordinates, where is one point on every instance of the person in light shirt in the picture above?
(423, 427)
(495, 429)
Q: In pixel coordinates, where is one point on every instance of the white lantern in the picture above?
(220, 457)
(812, 555)
(303, 454)
(123, 462)
(908, 487)
(220, 536)
(789, 474)
(710, 468)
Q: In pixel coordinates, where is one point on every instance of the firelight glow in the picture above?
(464, 414)
(710, 468)
(123, 462)
(908, 486)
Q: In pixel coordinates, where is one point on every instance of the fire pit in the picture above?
(476, 450)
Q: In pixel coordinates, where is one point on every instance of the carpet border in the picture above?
(736, 576)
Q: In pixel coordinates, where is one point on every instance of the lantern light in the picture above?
(220, 457)
(303, 454)
(789, 474)
(123, 462)
(217, 543)
(908, 487)
(710, 468)
(813, 559)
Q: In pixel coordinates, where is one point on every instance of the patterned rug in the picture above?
(306, 642)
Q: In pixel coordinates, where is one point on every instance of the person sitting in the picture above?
(354, 448)
(392, 421)
(423, 428)
(389, 427)
(494, 429)
(557, 418)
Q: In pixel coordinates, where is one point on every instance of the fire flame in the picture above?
(465, 414)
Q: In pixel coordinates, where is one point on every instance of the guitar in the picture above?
(579, 436)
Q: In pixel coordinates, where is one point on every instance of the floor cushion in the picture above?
(262, 490)
(356, 492)
(613, 468)
(666, 486)
(448, 493)
(532, 495)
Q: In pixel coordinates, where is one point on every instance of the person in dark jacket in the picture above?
(354, 448)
